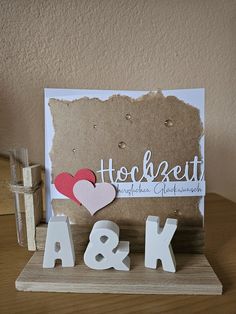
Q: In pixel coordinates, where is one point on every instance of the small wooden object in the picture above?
(104, 250)
(157, 243)
(33, 202)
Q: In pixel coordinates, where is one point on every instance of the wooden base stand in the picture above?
(194, 276)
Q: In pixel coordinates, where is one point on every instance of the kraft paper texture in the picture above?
(88, 130)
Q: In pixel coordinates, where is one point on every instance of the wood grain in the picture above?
(194, 276)
(220, 222)
(33, 203)
(188, 240)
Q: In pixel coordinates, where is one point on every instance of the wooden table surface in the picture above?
(220, 223)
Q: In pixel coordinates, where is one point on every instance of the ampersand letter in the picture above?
(104, 249)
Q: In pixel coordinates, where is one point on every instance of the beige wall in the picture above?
(141, 45)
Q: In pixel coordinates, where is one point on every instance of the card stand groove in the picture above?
(187, 240)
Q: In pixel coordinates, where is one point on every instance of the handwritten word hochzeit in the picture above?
(186, 181)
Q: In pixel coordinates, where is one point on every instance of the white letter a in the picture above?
(59, 243)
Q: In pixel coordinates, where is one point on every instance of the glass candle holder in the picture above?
(19, 160)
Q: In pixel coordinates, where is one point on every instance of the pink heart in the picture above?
(94, 197)
(64, 182)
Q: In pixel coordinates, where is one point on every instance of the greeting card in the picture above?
(125, 155)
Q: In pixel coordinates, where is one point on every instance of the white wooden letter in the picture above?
(59, 243)
(104, 249)
(157, 243)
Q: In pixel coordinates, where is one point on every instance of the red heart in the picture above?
(64, 182)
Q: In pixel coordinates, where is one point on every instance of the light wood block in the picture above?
(194, 276)
(33, 203)
(188, 240)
